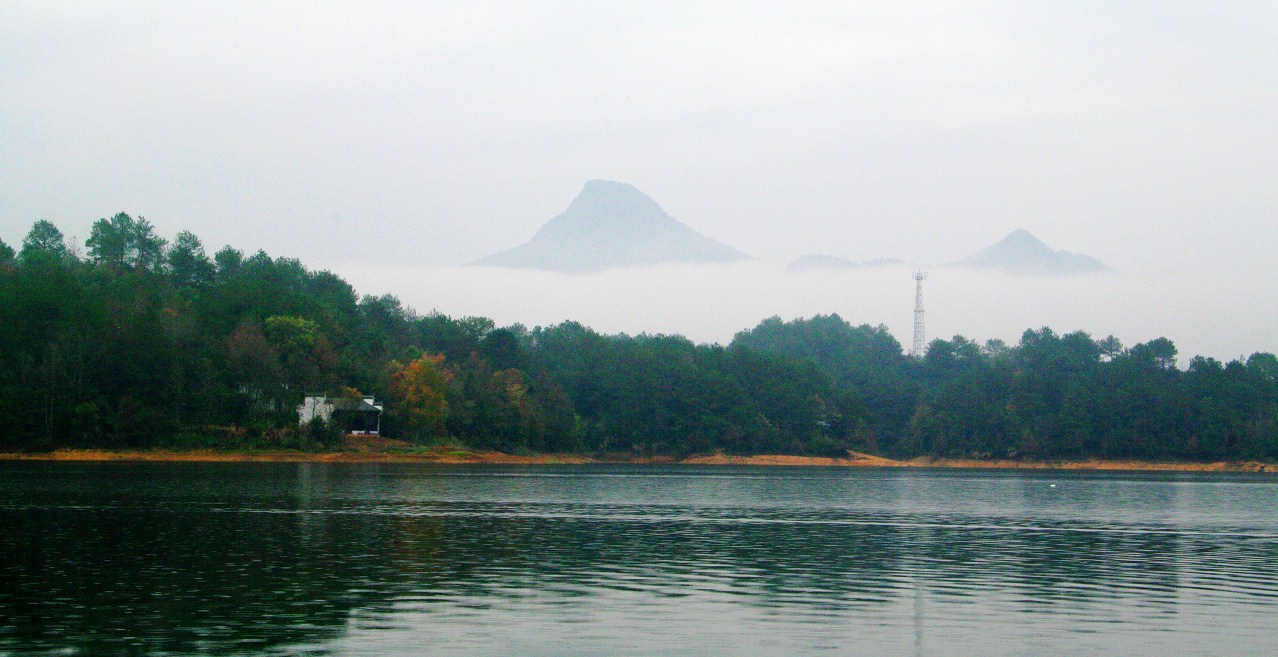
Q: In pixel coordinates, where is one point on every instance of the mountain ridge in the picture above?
(825, 261)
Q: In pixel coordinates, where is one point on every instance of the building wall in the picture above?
(314, 406)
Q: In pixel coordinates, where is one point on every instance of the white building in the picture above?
(358, 416)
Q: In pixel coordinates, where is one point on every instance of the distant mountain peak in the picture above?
(1023, 238)
(599, 197)
(603, 206)
(600, 194)
(612, 224)
(1022, 253)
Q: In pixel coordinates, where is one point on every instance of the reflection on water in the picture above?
(350, 559)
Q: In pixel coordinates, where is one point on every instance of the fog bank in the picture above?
(1199, 311)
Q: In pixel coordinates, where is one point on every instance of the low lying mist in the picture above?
(710, 303)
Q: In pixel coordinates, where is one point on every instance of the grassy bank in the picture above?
(293, 456)
(377, 450)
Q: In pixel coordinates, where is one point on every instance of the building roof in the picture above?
(354, 406)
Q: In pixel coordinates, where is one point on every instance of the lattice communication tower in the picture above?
(919, 347)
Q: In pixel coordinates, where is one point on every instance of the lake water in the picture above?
(412, 559)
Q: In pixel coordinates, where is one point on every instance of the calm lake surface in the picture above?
(409, 559)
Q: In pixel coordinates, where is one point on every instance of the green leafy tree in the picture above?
(864, 360)
(1110, 348)
(123, 243)
(1159, 353)
(188, 263)
(304, 353)
(502, 349)
(44, 243)
(228, 262)
(962, 408)
(559, 422)
(294, 336)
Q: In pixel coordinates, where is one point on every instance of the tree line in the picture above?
(142, 342)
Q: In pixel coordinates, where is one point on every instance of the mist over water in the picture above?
(1224, 313)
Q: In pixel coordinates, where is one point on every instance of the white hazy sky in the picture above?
(392, 142)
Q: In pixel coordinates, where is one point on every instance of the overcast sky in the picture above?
(418, 136)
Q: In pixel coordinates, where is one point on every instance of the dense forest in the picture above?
(139, 342)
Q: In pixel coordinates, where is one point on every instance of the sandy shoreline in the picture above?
(867, 460)
(459, 456)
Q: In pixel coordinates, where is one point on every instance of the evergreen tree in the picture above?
(44, 244)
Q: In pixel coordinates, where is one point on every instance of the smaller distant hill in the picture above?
(612, 224)
(1023, 254)
(823, 261)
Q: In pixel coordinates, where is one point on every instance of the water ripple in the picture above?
(381, 560)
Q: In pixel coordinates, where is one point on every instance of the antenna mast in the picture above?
(919, 346)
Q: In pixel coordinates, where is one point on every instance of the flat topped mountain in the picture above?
(612, 224)
(1022, 253)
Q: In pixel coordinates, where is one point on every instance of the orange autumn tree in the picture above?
(419, 389)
